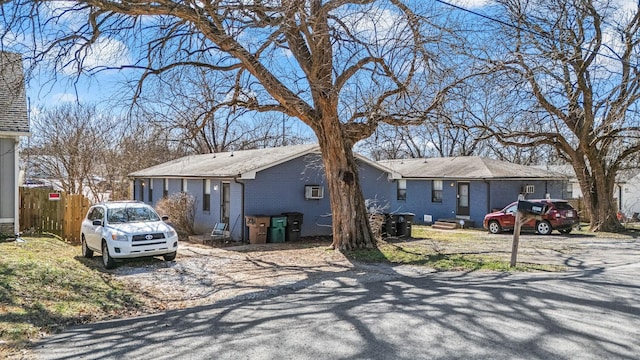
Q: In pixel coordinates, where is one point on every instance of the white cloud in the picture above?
(66, 13)
(105, 52)
(471, 4)
(627, 6)
(374, 25)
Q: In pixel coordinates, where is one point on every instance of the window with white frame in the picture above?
(206, 195)
(402, 189)
(569, 191)
(150, 190)
(436, 191)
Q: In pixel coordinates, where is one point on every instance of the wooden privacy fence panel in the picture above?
(62, 217)
(581, 207)
(75, 209)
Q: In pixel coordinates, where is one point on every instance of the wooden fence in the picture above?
(582, 209)
(62, 216)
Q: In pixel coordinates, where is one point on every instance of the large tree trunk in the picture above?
(597, 188)
(351, 229)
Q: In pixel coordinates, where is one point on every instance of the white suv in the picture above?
(126, 229)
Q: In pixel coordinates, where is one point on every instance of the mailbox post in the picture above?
(533, 208)
(526, 211)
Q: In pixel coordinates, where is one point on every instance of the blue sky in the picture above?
(48, 87)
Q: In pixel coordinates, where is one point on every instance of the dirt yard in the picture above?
(204, 274)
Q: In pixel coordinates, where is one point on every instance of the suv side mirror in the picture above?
(97, 222)
(165, 218)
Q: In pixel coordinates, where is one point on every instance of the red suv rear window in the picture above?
(562, 205)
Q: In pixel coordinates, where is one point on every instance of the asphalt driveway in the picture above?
(403, 312)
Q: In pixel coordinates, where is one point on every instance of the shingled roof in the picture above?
(13, 104)
(242, 164)
(467, 168)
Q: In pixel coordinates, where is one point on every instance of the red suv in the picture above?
(559, 215)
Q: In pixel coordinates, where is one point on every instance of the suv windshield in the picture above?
(131, 214)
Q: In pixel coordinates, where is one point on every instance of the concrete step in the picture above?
(444, 225)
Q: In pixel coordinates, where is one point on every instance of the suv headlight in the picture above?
(171, 233)
(117, 236)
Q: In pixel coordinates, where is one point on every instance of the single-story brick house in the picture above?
(14, 123)
(229, 186)
(468, 187)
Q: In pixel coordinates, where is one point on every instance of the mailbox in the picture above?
(530, 207)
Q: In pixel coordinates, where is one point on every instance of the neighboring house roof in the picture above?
(243, 164)
(13, 105)
(622, 177)
(468, 168)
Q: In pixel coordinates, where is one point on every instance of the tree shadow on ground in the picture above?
(388, 312)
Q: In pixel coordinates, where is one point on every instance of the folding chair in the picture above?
(220, 232)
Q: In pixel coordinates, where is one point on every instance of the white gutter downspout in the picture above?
(16, 186)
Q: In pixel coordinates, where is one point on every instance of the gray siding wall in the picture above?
(204, 220)
(505, 192)
(7, 179)
(419, 201)
(282, 189)
(378, 190)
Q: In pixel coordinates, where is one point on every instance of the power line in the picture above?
(533, 32)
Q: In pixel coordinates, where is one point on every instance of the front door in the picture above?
(463, 199)
(225, 203)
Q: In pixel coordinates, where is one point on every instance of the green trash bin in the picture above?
(277, 229)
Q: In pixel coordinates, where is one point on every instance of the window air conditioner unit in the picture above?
(313, 192)
(527, 189)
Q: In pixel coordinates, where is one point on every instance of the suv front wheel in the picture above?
(107, 260)
(170, 256)
(86, 252)
(494, 227)
(543, 227)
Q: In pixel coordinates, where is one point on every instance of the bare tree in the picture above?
(89, 152)
(572, 71)
(449, 130)
(67, 145)
(300, 58)
(133, 146)
(193, 106)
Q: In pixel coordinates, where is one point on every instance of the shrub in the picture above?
(181, 210)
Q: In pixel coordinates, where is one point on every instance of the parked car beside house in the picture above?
(559, 215)
(126, 229)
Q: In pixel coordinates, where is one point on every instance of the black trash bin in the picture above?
(389, 227)
(404, 223)
(294, 225)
